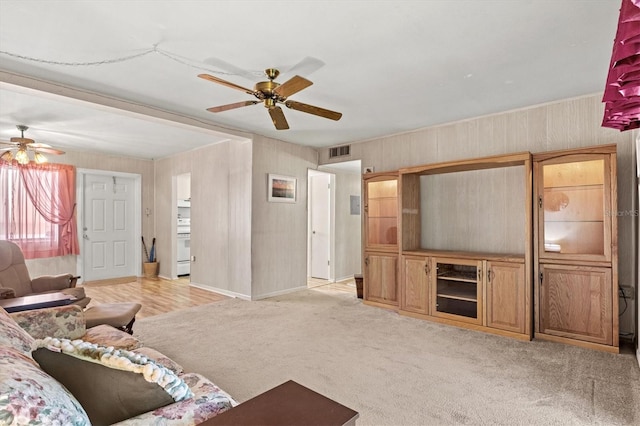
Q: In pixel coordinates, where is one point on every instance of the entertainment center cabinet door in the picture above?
(577, 302)
(456, 290)
(415, 291)
(574, 198)
(381, 213)
(506, 300)
(381, 278)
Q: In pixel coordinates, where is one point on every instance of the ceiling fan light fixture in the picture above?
(7, 156)
(22, 157)
(39, 158)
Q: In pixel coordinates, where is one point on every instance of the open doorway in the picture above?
(183, 226)
(334, 225)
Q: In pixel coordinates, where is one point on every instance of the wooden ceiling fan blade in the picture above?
(46, 150)
(277, 116)
(40, 145)
(291, 86)
(225, 83)
(232, 106)
(310, 109)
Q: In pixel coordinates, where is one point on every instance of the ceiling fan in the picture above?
(271, 94)
(23, 146)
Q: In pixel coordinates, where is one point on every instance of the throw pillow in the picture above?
(29, 396)
(12, 335)
(111, 384)
(159, 358)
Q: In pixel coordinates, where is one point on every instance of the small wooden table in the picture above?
(289, 404)
(38, 301)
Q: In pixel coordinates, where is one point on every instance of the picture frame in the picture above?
(281, 189)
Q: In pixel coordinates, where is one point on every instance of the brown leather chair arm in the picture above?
(73, 281)
(7, 293)
(50, 282)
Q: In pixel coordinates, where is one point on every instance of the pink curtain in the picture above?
(40, 208)
(622, 92)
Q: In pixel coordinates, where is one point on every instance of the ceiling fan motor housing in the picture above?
(264, 89)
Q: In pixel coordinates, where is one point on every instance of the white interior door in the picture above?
(108, 227)
(320, 225)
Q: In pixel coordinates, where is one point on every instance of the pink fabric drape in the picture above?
(40, 208)
(622, 92)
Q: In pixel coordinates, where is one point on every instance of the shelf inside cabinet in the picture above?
(467, 277)
(460, 308)
(458, 291)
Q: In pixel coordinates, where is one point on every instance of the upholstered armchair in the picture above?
(16, 282)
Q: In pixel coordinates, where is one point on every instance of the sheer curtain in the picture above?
(38, 208)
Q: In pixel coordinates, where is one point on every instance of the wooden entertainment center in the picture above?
(464, 249)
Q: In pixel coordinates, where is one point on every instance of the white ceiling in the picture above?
(388, 66)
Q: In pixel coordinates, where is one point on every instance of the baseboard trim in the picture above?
(107, 281)
(278, 293)
(221, 291)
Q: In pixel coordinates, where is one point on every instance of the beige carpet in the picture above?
(392, 369)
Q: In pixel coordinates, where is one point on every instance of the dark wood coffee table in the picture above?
(38, 301)
(289, 404)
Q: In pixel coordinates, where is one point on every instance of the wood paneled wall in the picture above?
(279, 230)
(220, 215)
(470, 211)
(570, 123)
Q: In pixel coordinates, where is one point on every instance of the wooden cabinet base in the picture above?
(460, 324)
(580, 343)
(380, 305)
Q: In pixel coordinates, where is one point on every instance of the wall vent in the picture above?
(339, 151)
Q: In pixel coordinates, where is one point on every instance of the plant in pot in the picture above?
(150, 267)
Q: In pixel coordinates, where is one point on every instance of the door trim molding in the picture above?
(137, 206)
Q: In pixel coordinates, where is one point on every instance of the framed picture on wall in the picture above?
(281, 189)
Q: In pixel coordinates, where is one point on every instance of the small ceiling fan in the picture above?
(271, 94)
(23, 146)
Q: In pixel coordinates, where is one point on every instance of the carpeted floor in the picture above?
(395, 370)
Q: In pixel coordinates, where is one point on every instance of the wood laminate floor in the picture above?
(159, 296)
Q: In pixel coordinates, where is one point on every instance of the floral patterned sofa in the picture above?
(105, 368)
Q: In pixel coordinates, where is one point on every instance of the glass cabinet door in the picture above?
(382, 213)
(458, 290)
(573, 200)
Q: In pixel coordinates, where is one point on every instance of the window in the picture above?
(38, 208)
